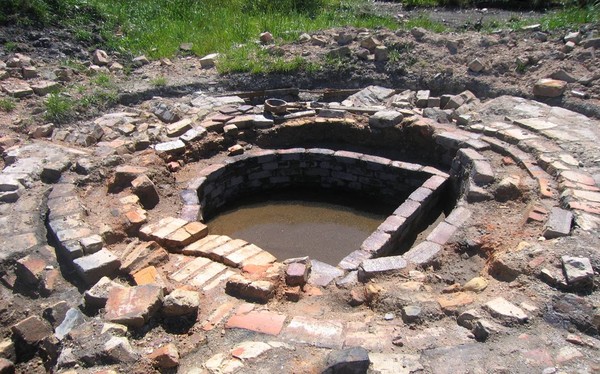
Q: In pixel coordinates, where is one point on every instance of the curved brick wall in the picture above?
(415, 187)
(265, 170)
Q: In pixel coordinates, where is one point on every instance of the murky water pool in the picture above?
(323, 225)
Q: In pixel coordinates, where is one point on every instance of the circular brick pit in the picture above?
(415, 188)
(475, 171)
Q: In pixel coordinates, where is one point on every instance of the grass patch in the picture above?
(59, 108)
(159, 81)
(571, 17)
(253, 59)
(424, 22)
(103, 80)
(7, 104)
(157, 27)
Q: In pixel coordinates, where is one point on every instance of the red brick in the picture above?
(453, 302)
(264, 322)
(165, 357)
(442, 233)
(217, 316)
(133, 306)
(144, 255)
(589, 207)
(577, 177)
(31, 330)
(30, 269)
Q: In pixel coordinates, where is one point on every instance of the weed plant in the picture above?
(7, 104)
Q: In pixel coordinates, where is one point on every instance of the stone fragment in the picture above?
(193, 135)
(568, 47)
(411, 314)
(266, 37)
(343, 38)
(381, 53)
(181, 302)
(43, 88)
(29, 72)
(370, 43)
(6, 366)
(559, 223)
(209, 60)
(508, 189)
(235, 150)
(476, 284)
(357, 296)
(483, 329)
(476, 66)
(133, 306)
(145, 189)
(369, 96)
(385, 118)
(91, 244)
(468, 318)
(118, 350)
(578, 270)
(340, 52)
(262, 122)
(7, 350)
(549, 87)
(96, 296)
(574, 36)
(296, 274)
(172, 147)
(592, 43)
(249, 350)
(382, 265)
(140, 61)
(56, 313)
(165, 357)
(422, 99)
(17, 89)
(353, 360)
(164, 113)
(482, 173)
(97, 265)
(179, 128)
(259, 291)
(99, 57)
(322, 274)
(31, 331)
(115, 329)
(73, 318)
(505, 311)
(124, 174)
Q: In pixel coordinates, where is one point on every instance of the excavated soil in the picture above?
(501, 243)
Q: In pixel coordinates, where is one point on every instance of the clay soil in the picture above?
(438, 62)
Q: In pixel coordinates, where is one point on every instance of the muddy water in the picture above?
(324, 226)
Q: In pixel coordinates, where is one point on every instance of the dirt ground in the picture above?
(513, 62)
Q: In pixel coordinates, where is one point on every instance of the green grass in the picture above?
(103, 80)
(253, 59)
(7, 104)
(159, 81)
(571, 17)
(59, 108)
(424, 22)
(158, 27)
